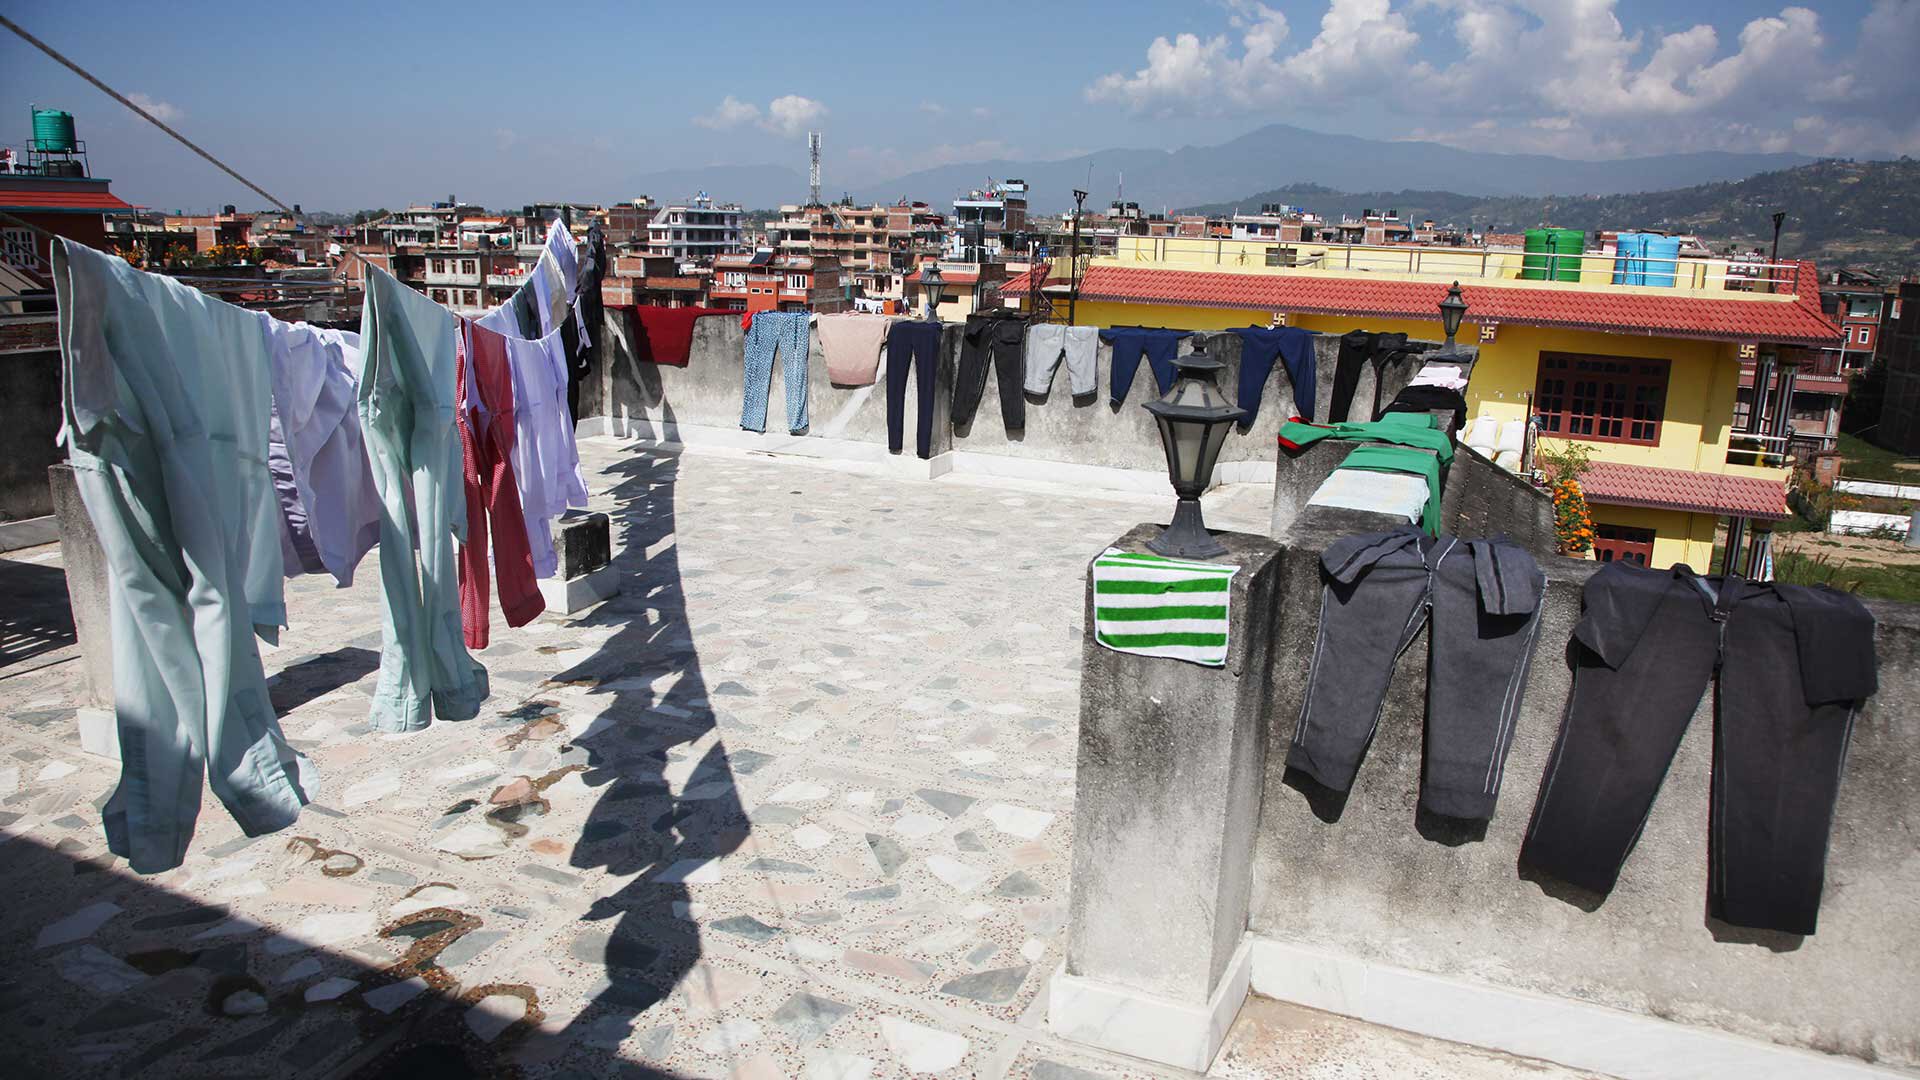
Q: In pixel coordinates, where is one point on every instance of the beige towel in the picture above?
(852, 345)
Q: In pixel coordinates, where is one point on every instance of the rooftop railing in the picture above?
(1693, 273)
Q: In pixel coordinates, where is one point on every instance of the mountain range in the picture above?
(1852, 213)
(1274, 155)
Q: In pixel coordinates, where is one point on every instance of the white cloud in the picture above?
(791, 114)
(1563, 76)
(1361, 43)
(161, 110)
(730, 113)
(788, 114)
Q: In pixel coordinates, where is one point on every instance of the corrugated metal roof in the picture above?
(28, 200)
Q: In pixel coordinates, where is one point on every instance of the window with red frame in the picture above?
(1617, 399)
(1622, 543)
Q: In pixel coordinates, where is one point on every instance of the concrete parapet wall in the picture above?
(1373, 880)
(644, 400)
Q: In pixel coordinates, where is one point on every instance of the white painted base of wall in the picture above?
(99, 733)
(1560, 1030)
(1127, 1021)
(30, 532)
(874, 459)
(576, 594)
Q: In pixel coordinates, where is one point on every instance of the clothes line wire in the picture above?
(144, 114)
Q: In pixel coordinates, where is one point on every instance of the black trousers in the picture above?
(1001, 341)
(915, 345)
(1776, 759)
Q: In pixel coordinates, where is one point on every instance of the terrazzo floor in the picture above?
(796, 803)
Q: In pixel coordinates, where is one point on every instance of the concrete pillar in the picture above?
(85, 564)
(584, 543)
(86, 567)
(1166, 803)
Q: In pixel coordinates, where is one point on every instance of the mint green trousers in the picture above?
(163, 388)
(407, 400)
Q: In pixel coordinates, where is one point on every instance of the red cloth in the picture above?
(486, 453)
(664, 335)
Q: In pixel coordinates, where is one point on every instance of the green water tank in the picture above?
(1567, 242)
(1533, 264)
(53, 132)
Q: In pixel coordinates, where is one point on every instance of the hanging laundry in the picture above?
(1404, 429)
(1129, 344)
(296, 536)
(1447, 375)
(1403, 459)
(1360, 349)
(315, 410)
(592, 313)
(782, 334)
(1425, 398)
(1151, 605)
(164, 409)
(664, 335)
(1399, 495)
(915, 345)
(546, 459)
(996, 338)
(1050, 343)
(1794, 664)
(1480, 602)
(487, 436)
(1259, 347)
(408, 394)
(852, 345)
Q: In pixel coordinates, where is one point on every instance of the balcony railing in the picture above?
(1700, 274)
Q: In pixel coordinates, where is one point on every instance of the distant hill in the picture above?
(1291, 155)
(1277, 154)
(1854, 213)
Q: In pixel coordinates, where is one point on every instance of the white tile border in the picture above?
(1126, 1021)
(564, 597)
(1567, 1032)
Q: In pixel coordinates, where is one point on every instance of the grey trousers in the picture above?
(1481, 601)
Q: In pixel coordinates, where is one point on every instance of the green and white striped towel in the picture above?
(1156, 606)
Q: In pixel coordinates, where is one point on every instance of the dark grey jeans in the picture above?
(1481, 601)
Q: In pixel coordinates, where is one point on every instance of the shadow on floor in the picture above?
(35, 617)
(667, 797)
(141, 992)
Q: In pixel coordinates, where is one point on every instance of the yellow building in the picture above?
(1646, 375)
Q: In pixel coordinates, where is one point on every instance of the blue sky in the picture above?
(345, 105)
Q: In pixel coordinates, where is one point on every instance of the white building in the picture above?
(696, 231)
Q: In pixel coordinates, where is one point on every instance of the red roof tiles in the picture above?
(26, 200)
(1612, 483)
(1647, 314)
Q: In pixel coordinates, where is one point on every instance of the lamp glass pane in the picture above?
(1216, 438)
(1189, 436)
(1167, 444)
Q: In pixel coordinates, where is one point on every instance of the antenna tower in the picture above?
(813, 169)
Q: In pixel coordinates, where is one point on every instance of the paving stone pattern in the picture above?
(796, 803)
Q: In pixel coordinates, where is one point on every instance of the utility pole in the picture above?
(1073, 296)
(1779, 219)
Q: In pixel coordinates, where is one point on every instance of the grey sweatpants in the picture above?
(1481, 600)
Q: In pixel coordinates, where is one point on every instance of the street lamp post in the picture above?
(1453, 308)
(1194, 419)
(1073, 295)
(936, 287)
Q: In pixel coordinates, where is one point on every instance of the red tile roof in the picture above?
(1647, 314)
(19, 200)
(1612, 483)
(951, 277)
